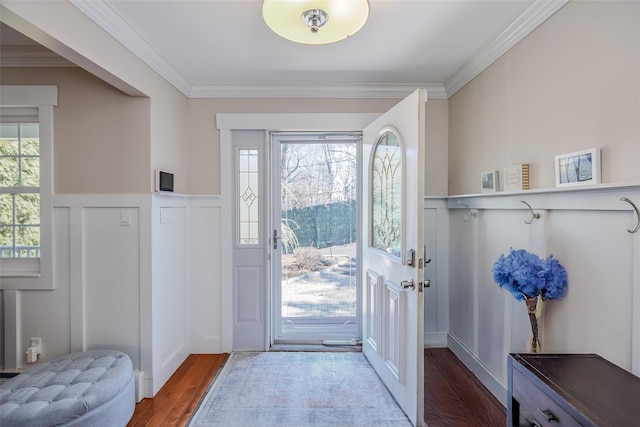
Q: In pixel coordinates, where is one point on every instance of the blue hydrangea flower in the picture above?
(523, 273)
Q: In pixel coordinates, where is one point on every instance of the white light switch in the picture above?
(125, 217)
(166, 215)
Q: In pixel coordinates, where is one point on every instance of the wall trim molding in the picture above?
(112, 22)
(316, 90)
(32, 57)
(435, 340)
(476, 366)
(598, 198)
(103, 14)
(536, 14)
(348, 122)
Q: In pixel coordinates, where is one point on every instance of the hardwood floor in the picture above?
(178, 398)
(453, 395)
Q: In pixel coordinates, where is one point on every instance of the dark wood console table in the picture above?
(558, 390)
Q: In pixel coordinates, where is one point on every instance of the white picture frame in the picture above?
(578, 168)
(489, 182)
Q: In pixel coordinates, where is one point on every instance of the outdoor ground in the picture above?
(329, 291)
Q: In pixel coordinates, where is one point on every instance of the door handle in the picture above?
(408, 284)
(275, 239)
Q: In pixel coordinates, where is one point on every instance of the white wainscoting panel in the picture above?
(462, 289)
(170, 285)
(111, 276)
(436, 296)
(206, 280)
(595, 316)
(123, 277)
(493, 302)
(586, 230)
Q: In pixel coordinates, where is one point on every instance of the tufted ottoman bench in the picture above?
(92, 388)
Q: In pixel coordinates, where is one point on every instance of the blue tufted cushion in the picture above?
(69, 388)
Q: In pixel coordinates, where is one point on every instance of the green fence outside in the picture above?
(322, 226)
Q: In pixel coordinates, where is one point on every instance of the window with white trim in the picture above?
(26, 186)
(20, 188)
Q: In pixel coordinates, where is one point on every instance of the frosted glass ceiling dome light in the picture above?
(315, 21)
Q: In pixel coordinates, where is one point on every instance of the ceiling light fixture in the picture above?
(315, 21)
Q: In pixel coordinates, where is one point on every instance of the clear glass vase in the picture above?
(534, 309)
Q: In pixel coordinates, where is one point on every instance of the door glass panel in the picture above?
(248, 193)
(318, 223)
(386, 197)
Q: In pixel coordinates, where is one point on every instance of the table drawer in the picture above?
(534, 403)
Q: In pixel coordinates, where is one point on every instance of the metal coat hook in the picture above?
(534, 215)
(635, 230)
(470, 214)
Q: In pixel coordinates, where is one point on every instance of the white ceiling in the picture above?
(223, 48)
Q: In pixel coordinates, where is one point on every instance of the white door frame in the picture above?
(295, 122)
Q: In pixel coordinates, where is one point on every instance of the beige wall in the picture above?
(572, 84)
(204, 138)
(101, 136)
(169, 138)
(63, 28)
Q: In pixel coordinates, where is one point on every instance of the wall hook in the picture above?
(470, 214)
(635, 230)
(534, 215)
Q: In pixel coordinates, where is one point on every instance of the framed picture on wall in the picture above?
(489, 182)
(578, 168)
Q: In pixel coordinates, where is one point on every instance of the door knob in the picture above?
(275, 239)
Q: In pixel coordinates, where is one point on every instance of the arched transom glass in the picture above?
(386, 197)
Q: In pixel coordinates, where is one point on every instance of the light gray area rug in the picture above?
(298, 389)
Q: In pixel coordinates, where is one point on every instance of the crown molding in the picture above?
(315, 90)
(538, 12)
(113, 23)
(31, 57)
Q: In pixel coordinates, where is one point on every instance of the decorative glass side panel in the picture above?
(386, 197)
(248, 197)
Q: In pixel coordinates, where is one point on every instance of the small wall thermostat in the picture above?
(164, 181)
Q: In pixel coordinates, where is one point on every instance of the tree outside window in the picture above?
(19, 190)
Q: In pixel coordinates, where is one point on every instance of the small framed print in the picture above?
(489, 182)
(578, 168)
(516, 178)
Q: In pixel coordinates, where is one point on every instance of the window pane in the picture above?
(8, 146)
(8, 171)
(30, 131)
(30, 147)
(6, 236)
(6, 209)
(386, 232)
(27, 239)
(9, 131)
(20, 212)
(30, 173)
(27, 209)
(248, 196)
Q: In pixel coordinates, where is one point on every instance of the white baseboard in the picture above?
(435, 340)
(139, 381)
(479, 370)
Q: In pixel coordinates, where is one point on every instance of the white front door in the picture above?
(393, 251)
